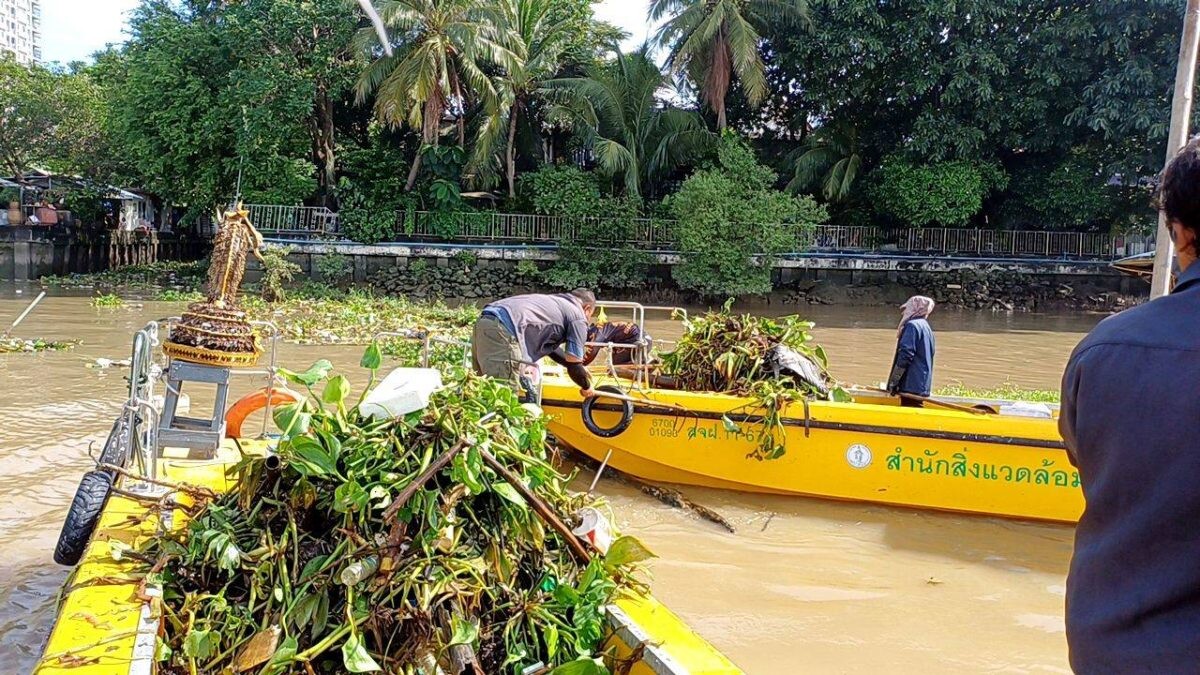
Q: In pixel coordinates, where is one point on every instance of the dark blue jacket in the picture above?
(914, 357)
(1131, 422)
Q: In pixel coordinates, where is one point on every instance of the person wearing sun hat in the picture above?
(912, 366)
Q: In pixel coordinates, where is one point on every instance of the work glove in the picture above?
(893, 384)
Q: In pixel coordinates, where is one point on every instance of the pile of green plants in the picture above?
(437, 541)
(725, 352)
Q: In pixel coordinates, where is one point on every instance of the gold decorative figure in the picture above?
(214, 332)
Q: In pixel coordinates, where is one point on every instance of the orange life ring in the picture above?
(249, 403)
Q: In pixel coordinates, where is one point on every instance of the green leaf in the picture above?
(840, 395)
(626, 550)
(315, 373)
(582, 666)
(372, 358)
(336, 390)
(550, 634)
(310, 458)
(349, 497)
(355, 656)
(730, 425)
(464, 633)
(510, 493)
(201, 644)
(291, 419)
(162, 651)
(320, 616)
(312, 567)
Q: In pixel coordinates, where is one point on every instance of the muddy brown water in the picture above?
(804, 585)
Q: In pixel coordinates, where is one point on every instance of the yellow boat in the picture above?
(108, 617)
(870, 450)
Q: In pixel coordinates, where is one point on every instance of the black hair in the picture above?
(584, 296)
(1178, 192)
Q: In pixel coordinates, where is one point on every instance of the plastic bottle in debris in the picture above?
(360, 571)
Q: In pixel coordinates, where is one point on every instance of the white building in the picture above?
(21, 29)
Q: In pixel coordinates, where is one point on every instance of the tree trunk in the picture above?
(431, 120)
(324, 148)
(510, 162)
(720, 72)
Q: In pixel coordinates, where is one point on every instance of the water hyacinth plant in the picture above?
(430, 541)
(724, 352)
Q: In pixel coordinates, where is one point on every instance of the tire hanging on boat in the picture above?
(90, 497)
(620, 426)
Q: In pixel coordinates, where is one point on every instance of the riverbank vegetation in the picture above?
(916, 113)
(1004, 392)
(11, 345)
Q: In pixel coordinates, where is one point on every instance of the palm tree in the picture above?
(831, 158)
(715, 40)
(526, 29)
(634, 137)
(437, 68)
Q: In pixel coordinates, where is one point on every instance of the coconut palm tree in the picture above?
(527, 31)
(436, 68)
(713, 41)
(831, 159)
(634, 137)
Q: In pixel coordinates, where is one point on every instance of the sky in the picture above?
(75, 29)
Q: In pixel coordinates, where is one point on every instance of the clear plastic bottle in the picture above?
(360, 571)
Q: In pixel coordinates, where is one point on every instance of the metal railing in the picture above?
(528, 228)
(287, 222)
(301, 223)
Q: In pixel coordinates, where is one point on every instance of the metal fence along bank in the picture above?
(303, 223)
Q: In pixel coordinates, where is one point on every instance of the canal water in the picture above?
(804, 585)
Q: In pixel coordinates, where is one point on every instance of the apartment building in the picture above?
(21, 29)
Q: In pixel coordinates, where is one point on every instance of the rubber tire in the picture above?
(620, 427)
(89, 501)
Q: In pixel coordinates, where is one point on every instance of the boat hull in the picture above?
(916, 457)
(107, 623)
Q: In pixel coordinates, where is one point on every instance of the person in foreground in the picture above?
(519, 331)
(1130, 422)
(912, 367)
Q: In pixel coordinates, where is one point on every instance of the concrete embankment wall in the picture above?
(797, 272)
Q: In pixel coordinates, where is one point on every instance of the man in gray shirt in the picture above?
(525, 328)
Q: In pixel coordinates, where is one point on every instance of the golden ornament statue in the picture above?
(214, 332)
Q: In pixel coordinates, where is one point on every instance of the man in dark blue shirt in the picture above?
(912, 367)
(1131, 426)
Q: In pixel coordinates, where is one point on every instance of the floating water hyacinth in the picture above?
(19, 345)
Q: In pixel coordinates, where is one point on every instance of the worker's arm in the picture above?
(576, 371)
(906, 351)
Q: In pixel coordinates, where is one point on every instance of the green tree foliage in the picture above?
(202, 93)
(830, 161)
(715, 40)
(437, 66)
(732, 224)
(1061, 194)
(561, 191)
(48, 118)
(945, 194)
(635, 138)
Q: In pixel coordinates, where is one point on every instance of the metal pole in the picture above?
(1181, 110)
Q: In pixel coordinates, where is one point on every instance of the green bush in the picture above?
(945, 194)
(560, 191)
(1069, 194)
(278, 271)
(602, 251)
(334, 268)
(731, 224)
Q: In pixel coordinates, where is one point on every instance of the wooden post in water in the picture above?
(1181, 111)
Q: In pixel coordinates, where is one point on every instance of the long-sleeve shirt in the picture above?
(1130, 419)
(914, 358)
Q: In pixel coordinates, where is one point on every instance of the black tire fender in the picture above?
(616, 430)
(82, 517)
